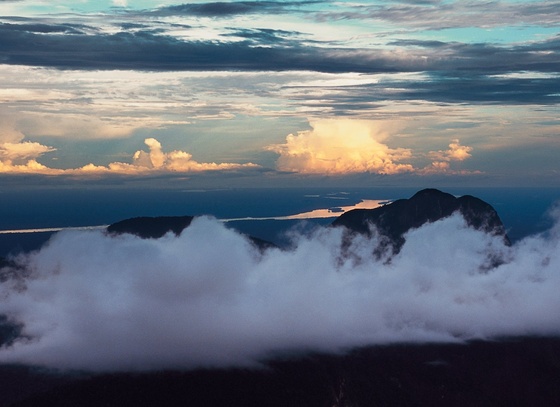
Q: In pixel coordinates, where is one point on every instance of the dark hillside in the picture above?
(429, 205)
(522, 372)
(151, 227)
(156, 227)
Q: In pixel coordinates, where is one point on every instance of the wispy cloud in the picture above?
(228, 9)
(439, 15)
(63, 46)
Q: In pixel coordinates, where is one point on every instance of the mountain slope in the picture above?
(151, 227)
(428, 205)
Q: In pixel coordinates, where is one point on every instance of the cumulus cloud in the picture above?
(18, 153)
(21, 158)
(178, 161)
(209, 298)
(347, 146)
(341, 146)
(456, 152)
(442, 159)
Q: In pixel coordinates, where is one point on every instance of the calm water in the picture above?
(523, 210)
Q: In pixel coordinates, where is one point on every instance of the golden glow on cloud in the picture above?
(17, 153)
(21, 158)
(331, 147)
(341, 147)
(456, 152)
(178, 161)
(347, 146)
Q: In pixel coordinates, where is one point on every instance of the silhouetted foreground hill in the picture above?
(429, 205)
(523, 372)
(151, 227)
(156, 227)
(392, 220)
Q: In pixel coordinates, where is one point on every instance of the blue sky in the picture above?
(265, 93)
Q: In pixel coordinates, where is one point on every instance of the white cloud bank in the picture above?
(208, 298)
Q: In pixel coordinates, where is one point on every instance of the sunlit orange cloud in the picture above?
(442, 159)
(347, 146)
(16, 153)
(340, 146)
(456, 152)
(21, 158)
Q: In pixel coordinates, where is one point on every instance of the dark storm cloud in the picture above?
(486, 58)
(437, 15)
(223, 9)
(265, 36)
(455, 72)
(437, 88)
(144, 50)
(487, 90)
(42, 28)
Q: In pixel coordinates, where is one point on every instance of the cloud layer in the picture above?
(347, 146)
(22, 158)
(209, 298)
(340, 147)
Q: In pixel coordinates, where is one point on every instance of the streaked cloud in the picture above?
(228, 9)
(440, 15)
(124, 46)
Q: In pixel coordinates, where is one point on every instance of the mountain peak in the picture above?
(151, 227)
(428, 205)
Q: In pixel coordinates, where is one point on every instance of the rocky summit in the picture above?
(393, 220)
(151, 227)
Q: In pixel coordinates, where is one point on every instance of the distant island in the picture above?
(395, 219)
(151, 227)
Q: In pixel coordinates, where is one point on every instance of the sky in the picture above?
(279, 93)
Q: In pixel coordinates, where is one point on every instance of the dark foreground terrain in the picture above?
(512, 372)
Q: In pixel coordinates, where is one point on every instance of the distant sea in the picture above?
(524, 211)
